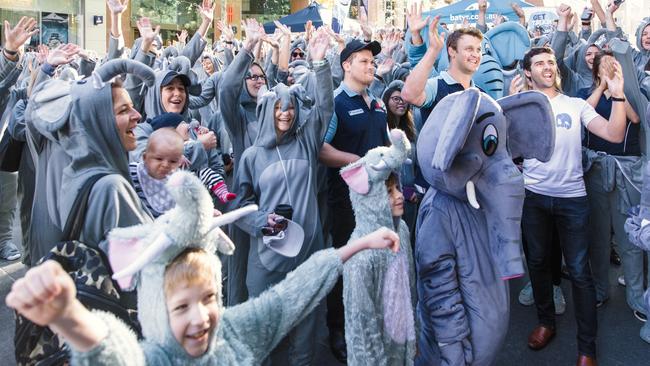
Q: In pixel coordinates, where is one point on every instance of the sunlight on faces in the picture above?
(126, 117)
(164, 153)
(467, 55)
(360, 67)
(396, 104)
(283, 119)
(258, 80)
(192, 297)
(173, 96)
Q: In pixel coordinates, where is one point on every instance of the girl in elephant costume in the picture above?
(178, 279)
(379, 286)
(465, 251)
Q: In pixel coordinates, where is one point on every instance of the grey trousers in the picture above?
(8, 201)
(605, 217)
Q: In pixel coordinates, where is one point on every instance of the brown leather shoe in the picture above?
(540, 337)
(586, 361)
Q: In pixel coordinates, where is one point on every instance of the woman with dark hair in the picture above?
(400, 116)
(612, 188)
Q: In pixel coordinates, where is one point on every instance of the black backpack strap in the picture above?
(77, 216)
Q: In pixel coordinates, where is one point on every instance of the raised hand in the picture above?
(436, 40)
(64, 54)
(563, 11)
(182, 36)
(284, 30)
(254, 32)
(516, 85)
(386, 66)
(41, 53)
(498, 19)
(117, 6)
(271, 41)
(18, 35)
(206, 10)
(209, 140)
(614, 79)
(44, 295)
(414, 18)
(147, 32)
(319, 44)
(363, 23)
(482, 6)
(226, 31)
(518, 10)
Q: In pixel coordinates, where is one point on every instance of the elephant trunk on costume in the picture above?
(500, 192)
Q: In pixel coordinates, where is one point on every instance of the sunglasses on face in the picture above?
(256, 77)
(298, 54)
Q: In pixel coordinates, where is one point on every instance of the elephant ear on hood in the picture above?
(295, 95)
(49, 108)
(509, 42)
(531, 130)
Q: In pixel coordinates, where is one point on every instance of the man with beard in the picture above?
(556, 196)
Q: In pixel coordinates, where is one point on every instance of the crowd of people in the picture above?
(385, 182)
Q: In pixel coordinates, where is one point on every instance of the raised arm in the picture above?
(297, 295)
(324, 92)
(480, 21)
(414, 87)
(116, 38)
(614, 129)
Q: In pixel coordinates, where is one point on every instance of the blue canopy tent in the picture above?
(455, 13)
(297, 20)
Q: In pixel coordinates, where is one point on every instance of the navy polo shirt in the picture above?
(354, 128)
(437, 88)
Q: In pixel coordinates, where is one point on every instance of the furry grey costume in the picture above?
(379, 286)
(465, 251)
(245, 334)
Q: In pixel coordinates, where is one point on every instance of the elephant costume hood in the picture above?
(643, 56)
(285, 95)
(139, 256)
(465, 149)
(79, 116)
(379, 282)
(153, 101)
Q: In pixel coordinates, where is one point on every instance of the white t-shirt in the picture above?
(562, 175)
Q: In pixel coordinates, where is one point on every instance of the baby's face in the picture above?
(162, 159)
(193, 315)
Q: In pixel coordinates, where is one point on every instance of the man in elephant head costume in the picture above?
(379, 287)
(468, 232)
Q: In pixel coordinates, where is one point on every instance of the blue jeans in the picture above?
(570, 216)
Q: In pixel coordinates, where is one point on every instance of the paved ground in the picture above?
(619, 342)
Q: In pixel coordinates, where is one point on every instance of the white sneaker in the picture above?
(9, 252)
(558, 300)
(621, 280)
(526, 295)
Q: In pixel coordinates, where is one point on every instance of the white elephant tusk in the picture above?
(529, 181)
(471, 194)
(644, 222)
(232, 216)
(381, 165)
(159, 244)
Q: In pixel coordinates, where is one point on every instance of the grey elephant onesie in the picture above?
(379, 286)
(468, 238)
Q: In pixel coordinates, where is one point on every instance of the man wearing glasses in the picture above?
(359, 124)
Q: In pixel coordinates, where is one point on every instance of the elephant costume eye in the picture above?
(490, 140)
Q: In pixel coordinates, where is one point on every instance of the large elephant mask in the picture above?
(466, 149)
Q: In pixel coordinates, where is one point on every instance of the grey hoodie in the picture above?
(87, 132)
(283, 171)
(641, 56)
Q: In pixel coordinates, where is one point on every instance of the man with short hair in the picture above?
(464, 52)
(556, 197)
(359, 124)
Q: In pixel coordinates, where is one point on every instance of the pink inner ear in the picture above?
(121, 252)
(357, 179)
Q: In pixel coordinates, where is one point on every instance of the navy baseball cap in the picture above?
(356, 45)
